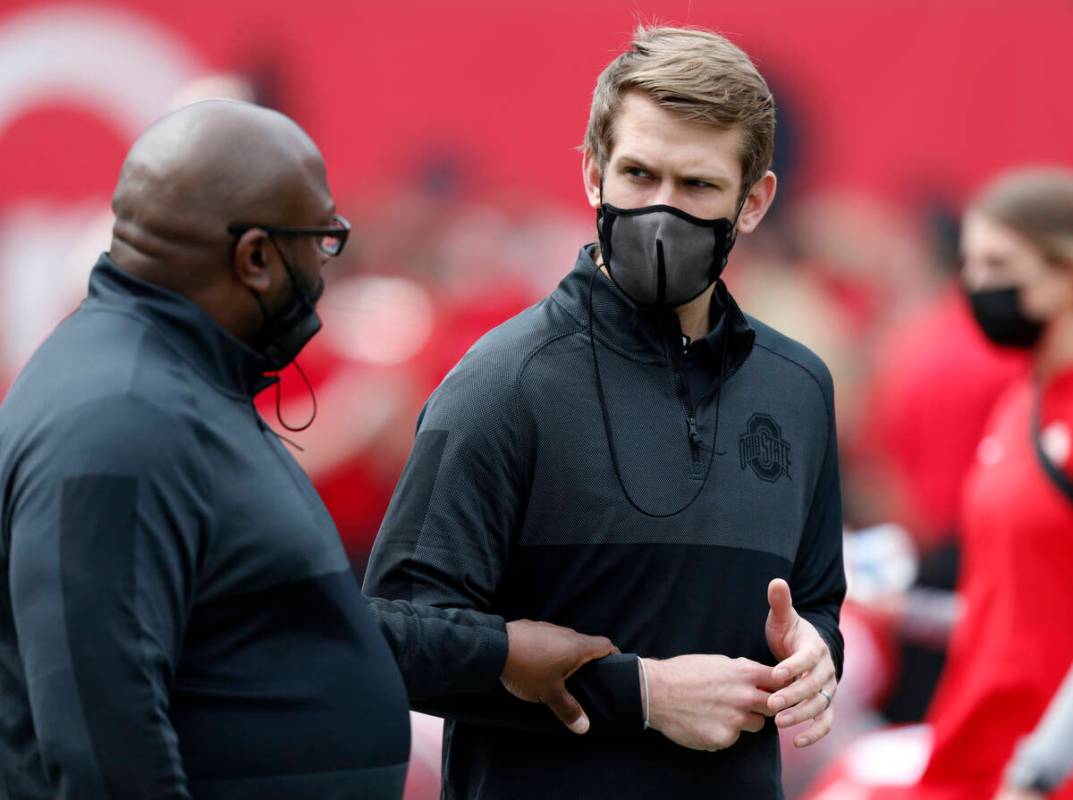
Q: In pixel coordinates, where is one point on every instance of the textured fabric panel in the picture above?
(423, 639)
(406, 514)
(417, 483)
(21, 769)
(490, 764)
(373, 783)
(576, 499)
(99, 515)
(477, 498)
(105, 524)
(313, 710)
(657, 600)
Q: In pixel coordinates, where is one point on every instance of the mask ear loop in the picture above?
(603, 226)
(732, 233)
(304, 300)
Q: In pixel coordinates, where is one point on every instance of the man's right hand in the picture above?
(540, 657)
(704, 702)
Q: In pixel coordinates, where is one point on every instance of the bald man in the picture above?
(177, 617)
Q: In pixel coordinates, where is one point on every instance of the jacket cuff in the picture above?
(833, 640)
(609, 691)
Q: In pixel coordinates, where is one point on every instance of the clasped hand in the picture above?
(706, 702)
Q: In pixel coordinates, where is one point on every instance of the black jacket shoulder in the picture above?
(796, 354)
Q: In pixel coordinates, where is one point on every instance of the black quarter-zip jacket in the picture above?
(177, 615)
(510, 504)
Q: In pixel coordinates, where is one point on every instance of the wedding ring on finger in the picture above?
(829, 697)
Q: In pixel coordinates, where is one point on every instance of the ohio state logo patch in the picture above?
(763, 448)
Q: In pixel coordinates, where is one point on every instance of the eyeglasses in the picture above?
(331, 239)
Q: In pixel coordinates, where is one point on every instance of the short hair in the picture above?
(1037, 203)
(697, 75)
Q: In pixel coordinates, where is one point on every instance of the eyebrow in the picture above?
(713, 178)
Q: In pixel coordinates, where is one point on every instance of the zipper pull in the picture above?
(694, 438)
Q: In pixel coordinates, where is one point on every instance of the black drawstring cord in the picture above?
(279, 410)
(607, 416)
(291, 442)
(312, 396)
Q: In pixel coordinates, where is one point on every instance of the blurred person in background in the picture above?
(935, 378)
(179, 618)
(677, 457)
(1013, 644)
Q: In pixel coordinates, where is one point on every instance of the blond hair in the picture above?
(1038, 204)
(697, 75)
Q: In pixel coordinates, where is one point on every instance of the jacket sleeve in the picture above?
(451, 660)
(441, 651)
(818, 580)
(448, 535)
(108, 517)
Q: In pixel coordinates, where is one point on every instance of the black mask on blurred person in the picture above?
(998, 313)
(286, 332)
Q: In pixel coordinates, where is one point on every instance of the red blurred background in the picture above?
(450, 133)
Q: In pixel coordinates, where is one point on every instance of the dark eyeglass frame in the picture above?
(340, 230)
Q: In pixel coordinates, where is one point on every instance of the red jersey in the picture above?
(1014, 643)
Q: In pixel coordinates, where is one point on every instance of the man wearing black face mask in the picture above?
(287, 331)
(178, 617)
(635, 456)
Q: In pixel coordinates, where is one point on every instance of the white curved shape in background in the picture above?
(121, 68)
(124, 67)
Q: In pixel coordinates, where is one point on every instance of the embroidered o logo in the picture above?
(763, 448)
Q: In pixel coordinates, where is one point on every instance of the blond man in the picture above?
(636, 457)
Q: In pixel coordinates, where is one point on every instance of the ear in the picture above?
(590, 176)
(757, 203)
(253, 255)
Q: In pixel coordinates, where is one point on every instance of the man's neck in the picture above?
(695, 316)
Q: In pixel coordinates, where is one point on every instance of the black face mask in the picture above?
(998, 313)
(660, 256)
(286, 332)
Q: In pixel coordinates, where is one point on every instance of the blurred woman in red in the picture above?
(1014, 643)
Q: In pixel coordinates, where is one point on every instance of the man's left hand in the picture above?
(540, 657)
(805, 669)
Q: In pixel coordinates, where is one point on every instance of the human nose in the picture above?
(667, 194)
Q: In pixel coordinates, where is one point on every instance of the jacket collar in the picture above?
(217, 355)
(652, 336)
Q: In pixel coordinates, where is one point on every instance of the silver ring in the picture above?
(830, 699)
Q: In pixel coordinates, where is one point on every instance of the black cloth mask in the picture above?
(286, 332)
(998, 313)
(660, 256)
